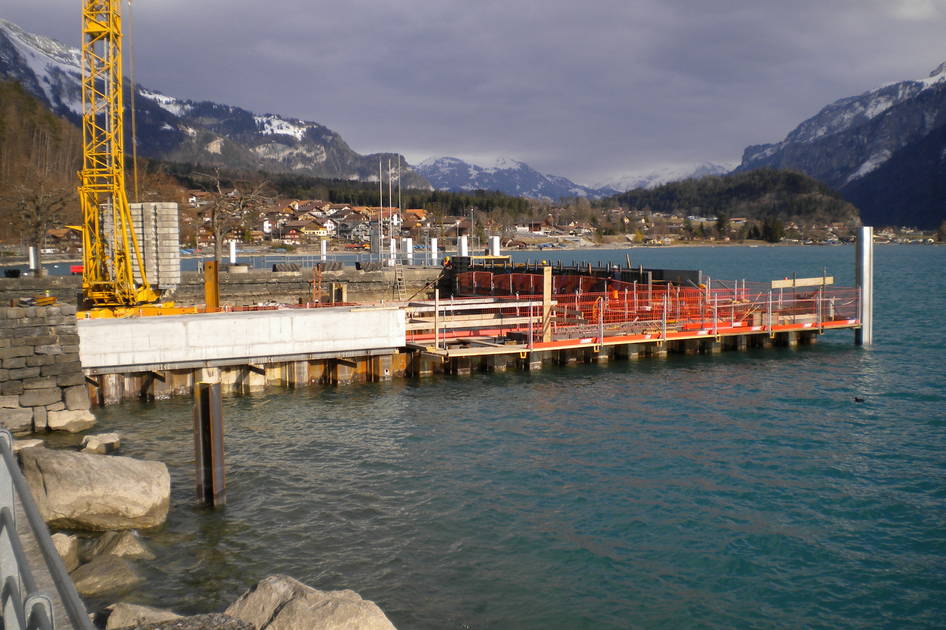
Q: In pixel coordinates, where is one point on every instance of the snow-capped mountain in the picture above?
(664, 175)
(853, 136)
(505, 175)
(174, 129)
(882, 149)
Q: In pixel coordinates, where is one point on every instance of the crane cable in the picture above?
(133, 89)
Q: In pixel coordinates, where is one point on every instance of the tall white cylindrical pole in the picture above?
(232, 252)
(463, 246)
(32, 258)
(864, 336)
(433, 251)
(494, 246)
(393, 249)
(409, 250)
(324, 250)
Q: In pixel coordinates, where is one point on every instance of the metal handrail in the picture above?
(35, 610)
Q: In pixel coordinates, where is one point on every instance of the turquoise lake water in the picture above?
(742, 490)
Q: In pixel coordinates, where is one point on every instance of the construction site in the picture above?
(146, 333)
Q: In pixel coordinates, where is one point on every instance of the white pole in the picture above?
(392, 247)
(32, 258)
(232, 252)
(494, 246)
(381, 199)
(864, 336)
(433, 251)
(324, 250)
(463, 246)
(409, 250)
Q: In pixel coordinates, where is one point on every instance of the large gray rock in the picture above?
(213, 621)
(19, 445)
(72, 421)
(106, 575)
(279, 602)
(126, 544)
(68, 548)
(18, 421)
(76, 397)
(124, 615)
(103, 443)
(97, 492)
(38, 397)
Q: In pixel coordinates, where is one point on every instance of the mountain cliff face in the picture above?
(847, 144)
(205, 133)
(507, 176)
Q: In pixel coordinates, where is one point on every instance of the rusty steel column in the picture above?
(208, 440)
(211, 287)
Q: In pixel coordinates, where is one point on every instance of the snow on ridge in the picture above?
(48, 47)
(49, 61)
(270, 124)
(167, 103)
(869, 165)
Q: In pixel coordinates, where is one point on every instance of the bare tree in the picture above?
(37, 208)
(234, 209)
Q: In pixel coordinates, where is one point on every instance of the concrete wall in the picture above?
(221, 337)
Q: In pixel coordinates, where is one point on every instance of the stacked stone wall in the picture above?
(41, 382)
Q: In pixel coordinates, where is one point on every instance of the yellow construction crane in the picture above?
(110, 251)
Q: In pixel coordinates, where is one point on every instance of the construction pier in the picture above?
(484, 316)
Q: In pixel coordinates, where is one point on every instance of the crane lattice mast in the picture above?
(109, 244)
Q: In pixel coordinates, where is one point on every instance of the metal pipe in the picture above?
(864, 336)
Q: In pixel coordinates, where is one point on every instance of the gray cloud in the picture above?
(587, 90)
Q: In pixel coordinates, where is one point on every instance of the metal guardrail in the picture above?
(22, 605)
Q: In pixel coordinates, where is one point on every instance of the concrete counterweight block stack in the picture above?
(42, 386)
(158, 232)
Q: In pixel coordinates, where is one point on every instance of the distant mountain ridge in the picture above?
(513, 177)
(847, 144)
(505, 175)
(652, 178)
(205, 133)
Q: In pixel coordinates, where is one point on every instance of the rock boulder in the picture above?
(106, 575)
(125, 544)
(68, 548)
(97, 492)
(68, 420)
(18, 421)
(213, 621)
(103, 443)
(127, 615)
(279, 602)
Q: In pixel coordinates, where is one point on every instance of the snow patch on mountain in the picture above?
(167, 103)
(651, 178)
(54, 66)
(849, 112)
(271, 124)
(506, 175)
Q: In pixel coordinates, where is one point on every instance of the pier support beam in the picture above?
(711, 346)
(208, 439)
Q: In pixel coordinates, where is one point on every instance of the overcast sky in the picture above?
(588, 89)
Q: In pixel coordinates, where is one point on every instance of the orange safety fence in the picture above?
(603, 307)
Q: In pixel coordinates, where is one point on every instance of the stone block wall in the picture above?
(42, 386)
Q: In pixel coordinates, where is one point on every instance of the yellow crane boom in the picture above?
(109, 244)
